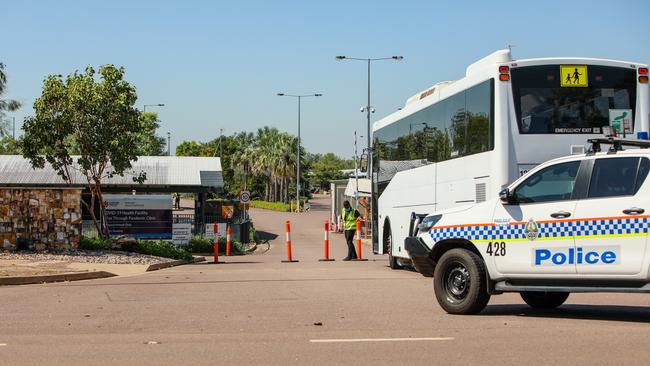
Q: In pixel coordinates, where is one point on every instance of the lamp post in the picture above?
(298, 148)
(368, 109)
(144, 109)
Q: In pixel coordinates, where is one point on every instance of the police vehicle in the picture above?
(574, 224)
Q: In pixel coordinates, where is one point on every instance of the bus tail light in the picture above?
(643, 71)
(643, 79)
(504, 73)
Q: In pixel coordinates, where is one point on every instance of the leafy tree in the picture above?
(328, 167)
(6, 105)
(150, 144)
(99, 118)
(188, 148)
(9, 146)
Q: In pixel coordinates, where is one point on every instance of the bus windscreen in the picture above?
(572, 99)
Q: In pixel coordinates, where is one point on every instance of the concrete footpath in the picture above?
(255, 310)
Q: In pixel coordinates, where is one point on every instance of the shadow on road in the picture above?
(223, 260)
(622, 313)
(264, 236)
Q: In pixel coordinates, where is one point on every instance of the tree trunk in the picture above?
(102, 212)
(282, 189)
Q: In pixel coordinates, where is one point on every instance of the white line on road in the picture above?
(2, 344)
(380, 340)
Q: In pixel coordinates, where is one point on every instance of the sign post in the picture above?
(181, 234)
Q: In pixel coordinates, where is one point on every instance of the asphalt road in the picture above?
(256, 310)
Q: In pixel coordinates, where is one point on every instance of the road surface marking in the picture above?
(380, 340)
(2, 344)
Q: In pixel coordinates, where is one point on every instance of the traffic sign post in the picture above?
(244, 197)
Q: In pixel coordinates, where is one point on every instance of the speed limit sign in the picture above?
(245, 197)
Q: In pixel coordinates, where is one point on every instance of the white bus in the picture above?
(458, 142)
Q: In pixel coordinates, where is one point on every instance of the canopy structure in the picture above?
(364, 189)
(164, 174)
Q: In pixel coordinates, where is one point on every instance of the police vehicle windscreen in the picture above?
(573, 99)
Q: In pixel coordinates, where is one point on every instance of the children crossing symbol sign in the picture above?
(574, 76)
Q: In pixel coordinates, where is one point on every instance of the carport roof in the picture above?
(161, 171)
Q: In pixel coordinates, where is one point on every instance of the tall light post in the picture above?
(144, 109)
(169, 144)
(368, 109)
(298, 148)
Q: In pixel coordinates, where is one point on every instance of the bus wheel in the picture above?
(388, 240)
(544, 300)
(460, 282)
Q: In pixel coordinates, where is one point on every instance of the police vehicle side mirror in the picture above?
(506, 197)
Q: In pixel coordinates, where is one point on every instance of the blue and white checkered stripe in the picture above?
(547, 230)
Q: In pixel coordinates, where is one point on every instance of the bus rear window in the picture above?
(546, 103)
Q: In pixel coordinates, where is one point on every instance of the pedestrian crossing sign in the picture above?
(574, 76)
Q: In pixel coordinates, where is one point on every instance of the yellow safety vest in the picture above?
(349, 222)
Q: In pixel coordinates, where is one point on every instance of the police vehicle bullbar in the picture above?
(574, 224)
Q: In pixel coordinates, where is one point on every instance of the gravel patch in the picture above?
(87, 257)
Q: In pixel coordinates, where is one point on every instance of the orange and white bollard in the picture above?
(359, 257)
(228, 241)
(216, 243)
(288, 237)
(326, 244)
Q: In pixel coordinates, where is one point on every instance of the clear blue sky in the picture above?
(218, 64)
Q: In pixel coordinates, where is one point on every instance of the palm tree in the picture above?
(6, 105)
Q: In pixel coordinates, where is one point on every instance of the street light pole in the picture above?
(299, 97)
(169, 144)
(368, 110)
(144, 109)
(14, 135)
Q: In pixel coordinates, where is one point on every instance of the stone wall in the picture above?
(40, 219)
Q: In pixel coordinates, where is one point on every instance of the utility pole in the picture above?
(169, 144)
(14, 134)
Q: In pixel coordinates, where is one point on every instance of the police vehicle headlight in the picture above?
(428, 222)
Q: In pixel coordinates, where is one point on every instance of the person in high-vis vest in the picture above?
(349, 218)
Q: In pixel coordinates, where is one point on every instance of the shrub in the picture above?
(199, 244)
(275, 206)
(162, 248)
(87, 243)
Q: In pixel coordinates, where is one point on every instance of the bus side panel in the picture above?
(466, 183)
(409, 191)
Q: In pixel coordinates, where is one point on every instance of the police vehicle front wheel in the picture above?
(544, 300)
(460, 282)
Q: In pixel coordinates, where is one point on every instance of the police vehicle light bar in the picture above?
(616, 143)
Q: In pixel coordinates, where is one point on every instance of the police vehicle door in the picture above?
(613, 219)
(535, 229)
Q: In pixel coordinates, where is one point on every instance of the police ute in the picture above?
(574, 224)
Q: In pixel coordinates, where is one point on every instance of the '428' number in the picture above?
(496, 248)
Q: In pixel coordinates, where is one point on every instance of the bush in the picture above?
(87, 243)
(162, 248)
(275, 206)
(199, 244)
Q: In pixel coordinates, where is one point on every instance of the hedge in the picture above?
(276, 206)
(163, 248)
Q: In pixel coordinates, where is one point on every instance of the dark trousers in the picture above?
(349, 238)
